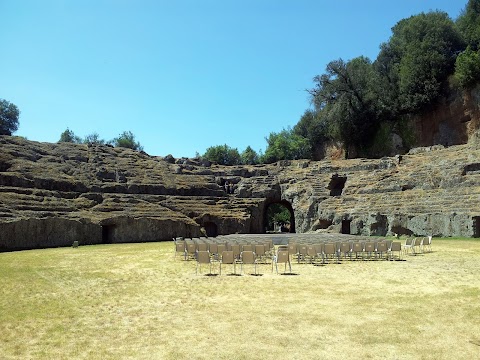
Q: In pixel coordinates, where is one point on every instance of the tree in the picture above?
(387, 82)
(345, 98)
(127, 140)
(94, 139)
(223, 155)
(312, 126)
(422, 50)
(277, 214)
(286, 145)
(467, 68)
(9, 115)
(249, 156)
(468, 24)
(69, 136)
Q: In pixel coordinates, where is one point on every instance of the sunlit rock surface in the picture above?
(54, 194)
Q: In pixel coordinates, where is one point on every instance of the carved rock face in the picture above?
(54, 194)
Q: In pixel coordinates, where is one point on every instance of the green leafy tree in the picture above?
(286, 145)
(386, 83)
(223, 155)
(127, 140)
(345, 98)
(93, 138)
(468, 24)
(9, 115)
(249, 156)
(277, 214)
(422, 50)
(313, 127)
(69, 136)
(467, 68)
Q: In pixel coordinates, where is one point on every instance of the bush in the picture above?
(127, 140)
(223, 155)
(467, 68)
(9, 114)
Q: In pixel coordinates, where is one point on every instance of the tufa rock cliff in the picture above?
(54, 194)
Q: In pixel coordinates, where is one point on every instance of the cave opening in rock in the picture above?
(107, 234)
(346, 226)
(279, 217)
(324, 224)
(336, 185)
(476, 226)
(210, 229)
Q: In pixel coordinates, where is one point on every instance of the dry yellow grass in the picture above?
(134, 301)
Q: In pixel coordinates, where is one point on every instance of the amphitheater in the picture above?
(55, 194)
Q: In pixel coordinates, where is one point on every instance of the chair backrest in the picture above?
(213, 248)
(357, 247)
(396, 246)
(248, 257)
(408, 241)
(180, 246)
(236, 250)
(203, 257)
(190, 247)
(282, 256)
(418, 241)
(221, 248)
(338, 244)
(302, 249)
(267, 245)
(247, 247)
(319, 248)
(292, 248)
(270, 244)
(227, 257)
(329, 249)
(369, 246)
(260, 250)
(201, 246)
(345, 247)
(382, 246)
(311, 251)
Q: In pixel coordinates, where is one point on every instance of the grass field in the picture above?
(134, 301)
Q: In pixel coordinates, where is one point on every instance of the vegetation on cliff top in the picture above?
(355, 101)
(9, 114)
(362, 103)
(126, 140)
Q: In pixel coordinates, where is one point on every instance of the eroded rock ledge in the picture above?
(54, 194)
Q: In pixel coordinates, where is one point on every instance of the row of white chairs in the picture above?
(247, 257)
(417, 245)
(351, 250)
(189, 248)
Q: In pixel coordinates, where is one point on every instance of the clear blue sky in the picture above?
(182, 75)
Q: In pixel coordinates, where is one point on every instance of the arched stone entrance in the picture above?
(286, 205)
